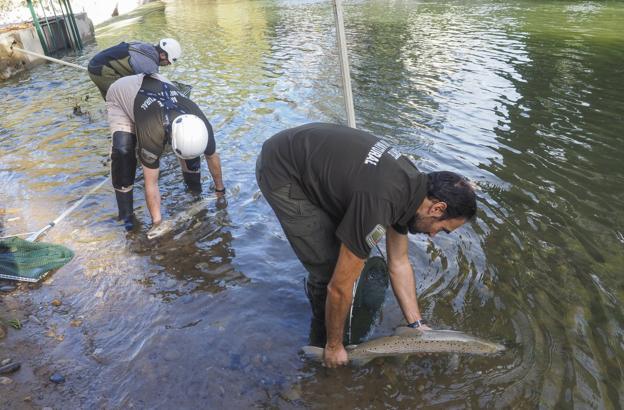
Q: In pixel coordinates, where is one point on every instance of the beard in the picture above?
(413, 225)
(420, 224)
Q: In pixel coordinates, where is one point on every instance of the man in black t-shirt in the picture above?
(336, 192)
(146, 113)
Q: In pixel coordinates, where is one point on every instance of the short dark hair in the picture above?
(454, 190)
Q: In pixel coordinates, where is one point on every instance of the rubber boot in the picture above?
(192, 181)
(126, 208)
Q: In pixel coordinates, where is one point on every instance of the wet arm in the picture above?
(402, 275)
(339, 296)
(214, 166)
(152, 193)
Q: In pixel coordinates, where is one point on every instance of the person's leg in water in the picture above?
(103, 82)
(123, 172)
(191, 172)
(311, 234)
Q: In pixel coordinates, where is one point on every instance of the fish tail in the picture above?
(313, 352)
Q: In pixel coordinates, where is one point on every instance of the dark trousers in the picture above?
(311, 233)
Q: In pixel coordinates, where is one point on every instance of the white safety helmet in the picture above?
(189, 136)
(172, 48)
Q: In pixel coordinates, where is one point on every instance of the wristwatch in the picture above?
(417, 324)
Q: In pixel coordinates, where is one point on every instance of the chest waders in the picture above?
(110, 65)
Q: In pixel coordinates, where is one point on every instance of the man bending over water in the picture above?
(145, 113)
(336, 192)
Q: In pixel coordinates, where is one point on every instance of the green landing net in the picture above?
(30, 261)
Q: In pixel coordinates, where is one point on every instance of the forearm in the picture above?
(340, 294)
(404, 288)
(214, 166)
(336, 309)
(402, 275)
(152, 194)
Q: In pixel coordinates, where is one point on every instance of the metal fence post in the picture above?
(42, 38)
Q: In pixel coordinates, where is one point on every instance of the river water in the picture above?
(525, 98)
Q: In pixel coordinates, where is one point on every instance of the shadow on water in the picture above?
(198, 253)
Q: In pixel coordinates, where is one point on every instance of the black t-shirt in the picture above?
(359, 180)
(149, 121)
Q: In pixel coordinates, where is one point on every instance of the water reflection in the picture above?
(524, 98)
(198, 255)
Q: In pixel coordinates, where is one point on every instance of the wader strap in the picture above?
(136, 50)
(168, 103)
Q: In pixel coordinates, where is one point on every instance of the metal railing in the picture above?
(56, 31)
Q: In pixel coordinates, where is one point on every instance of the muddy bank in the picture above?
(25, 336)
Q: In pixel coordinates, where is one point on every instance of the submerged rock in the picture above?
(10, 368)
(57, 378)
(5, 380)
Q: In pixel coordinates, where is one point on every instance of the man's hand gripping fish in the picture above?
(407, 341)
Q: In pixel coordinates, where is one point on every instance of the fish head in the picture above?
(160, 229)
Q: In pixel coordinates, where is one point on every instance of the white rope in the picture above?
(54, 60)
(344, 63)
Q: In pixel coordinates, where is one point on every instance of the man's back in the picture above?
(357, 179)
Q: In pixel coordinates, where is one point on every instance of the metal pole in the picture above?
(67, 27)
(42, 39)
(62, 216)
(54, 60)
(69, 22)
(56, 20)
(52, 35)
(73, 19)
(344, 63)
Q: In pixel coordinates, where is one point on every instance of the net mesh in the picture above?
(30, 261)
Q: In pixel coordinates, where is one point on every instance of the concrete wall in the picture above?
(13, 62)
(14, 11)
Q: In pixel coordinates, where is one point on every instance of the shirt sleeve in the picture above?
(143, 58)
(194, 109)
(400, 229)
(150, 137)
(364, 223)
(212, 146)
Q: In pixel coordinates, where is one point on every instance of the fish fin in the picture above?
(360, 361)
(398, 361)
(313, 352)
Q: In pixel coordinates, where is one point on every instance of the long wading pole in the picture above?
(62, 216)
(42, 39)
(54, 60)
(344, 63)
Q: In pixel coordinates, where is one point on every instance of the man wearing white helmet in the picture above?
(131, 58)
(145, 113)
